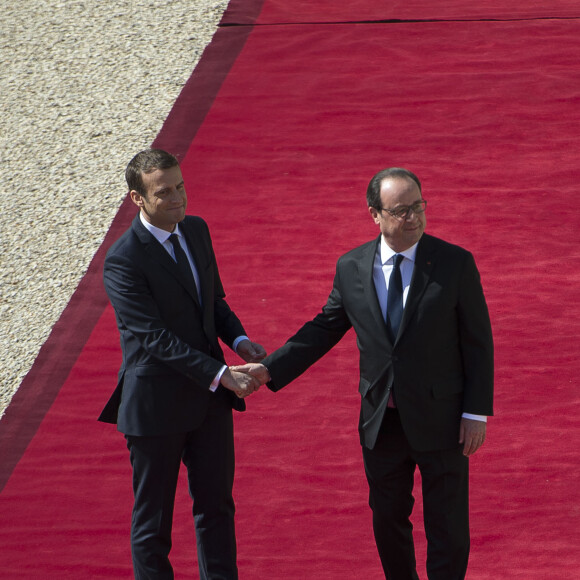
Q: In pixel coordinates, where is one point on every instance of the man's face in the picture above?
(399, 233)
(165, 202)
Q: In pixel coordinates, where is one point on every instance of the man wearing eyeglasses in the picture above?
(426, 373)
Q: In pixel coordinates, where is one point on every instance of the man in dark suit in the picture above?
(175, 394)
(426, 373)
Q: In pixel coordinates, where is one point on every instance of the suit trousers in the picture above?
(208, 454)
(390, 468)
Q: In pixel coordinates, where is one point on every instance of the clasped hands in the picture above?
(243, 380)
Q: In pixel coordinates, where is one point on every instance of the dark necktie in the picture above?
(395, 298)
(183, 262)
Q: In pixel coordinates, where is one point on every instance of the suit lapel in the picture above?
(420, 279)
(194, 248)
(198, 249)
(366, 270)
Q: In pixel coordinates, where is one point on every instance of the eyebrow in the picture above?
(164, 189)
(410, 205)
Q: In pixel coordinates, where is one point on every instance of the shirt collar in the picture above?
(386, 253)
(160, 235)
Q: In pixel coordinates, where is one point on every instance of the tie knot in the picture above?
(174, 239)
(178, 252)
(397, 260)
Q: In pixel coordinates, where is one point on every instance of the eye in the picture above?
(419, 206)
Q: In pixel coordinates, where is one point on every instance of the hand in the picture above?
(242, 384)
(251, 352)
(256, 370)
(472, 435)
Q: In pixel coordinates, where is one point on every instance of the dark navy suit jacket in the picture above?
(169, 340)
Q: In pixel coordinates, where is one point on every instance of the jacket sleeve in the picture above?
(227, 325)
(476, 342)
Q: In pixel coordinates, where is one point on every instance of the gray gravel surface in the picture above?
(84, 85)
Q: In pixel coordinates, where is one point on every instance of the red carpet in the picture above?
(330, 11)
(281, 127)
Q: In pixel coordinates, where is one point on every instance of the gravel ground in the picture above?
(84, 85)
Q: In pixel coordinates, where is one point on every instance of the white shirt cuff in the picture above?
(216, 382)
(475, 417)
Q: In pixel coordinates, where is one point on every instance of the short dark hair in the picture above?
(374, 188)
(147, 161)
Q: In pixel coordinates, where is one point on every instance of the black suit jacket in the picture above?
(169, 341)
(441, 362)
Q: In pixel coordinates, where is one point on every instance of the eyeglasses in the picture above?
(402, 212)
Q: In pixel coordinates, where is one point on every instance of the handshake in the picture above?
(245, 379)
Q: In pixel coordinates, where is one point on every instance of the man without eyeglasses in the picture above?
(175, 394)
(426, 373)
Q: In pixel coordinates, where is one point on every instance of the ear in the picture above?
(375, 214)
(136, 198)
